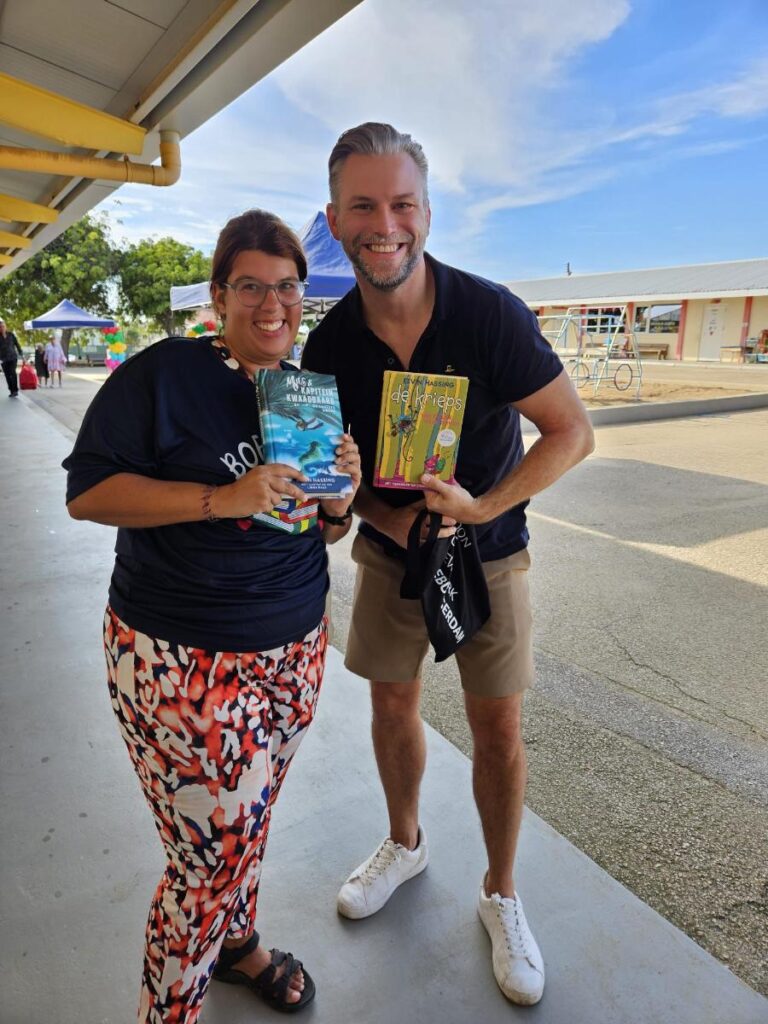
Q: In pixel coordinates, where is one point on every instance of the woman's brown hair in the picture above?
(255, 229)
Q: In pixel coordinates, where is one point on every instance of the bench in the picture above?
(649, 348)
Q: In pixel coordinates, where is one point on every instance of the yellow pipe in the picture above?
(5, 260)
(42, 161)
(45, 113)
(11, 241)
(22, 212)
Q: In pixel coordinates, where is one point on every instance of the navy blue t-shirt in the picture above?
(478, 330)
(177, 412)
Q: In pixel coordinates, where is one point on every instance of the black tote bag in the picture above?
(446, 574)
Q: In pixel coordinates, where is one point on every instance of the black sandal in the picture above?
(272, 991)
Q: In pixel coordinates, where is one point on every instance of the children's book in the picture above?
(419, 427)
(301, 426)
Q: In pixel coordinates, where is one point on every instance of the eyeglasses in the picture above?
(252, 293)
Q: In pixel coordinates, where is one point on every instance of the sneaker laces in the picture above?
(386, 855)
(514, 925)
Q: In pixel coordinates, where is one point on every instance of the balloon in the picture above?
(209, 325)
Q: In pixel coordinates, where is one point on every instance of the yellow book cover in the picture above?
(419, 427)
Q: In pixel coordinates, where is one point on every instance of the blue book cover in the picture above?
(301, 426)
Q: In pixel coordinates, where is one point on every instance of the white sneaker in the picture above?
(369, 886)
(517, 962)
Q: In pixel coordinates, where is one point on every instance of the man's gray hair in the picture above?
(373, 139)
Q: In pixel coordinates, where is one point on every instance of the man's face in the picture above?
(2, 326)
(380, 217)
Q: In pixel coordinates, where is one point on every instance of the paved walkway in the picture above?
(80, 858)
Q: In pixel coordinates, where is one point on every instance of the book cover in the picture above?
(419, 427)
(301, 426)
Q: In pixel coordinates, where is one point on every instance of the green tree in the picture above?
(79, 265)
(147, 271)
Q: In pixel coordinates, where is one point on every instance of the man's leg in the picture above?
(9, 369)
(499, 773)
(386, 644)
(400, 748)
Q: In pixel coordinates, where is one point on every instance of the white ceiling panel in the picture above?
(91, 38)
(165, 64)
(42, 73)
(157, 12)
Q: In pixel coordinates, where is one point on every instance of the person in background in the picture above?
(41, 367)
(411, 312)
(55, 359)
(10, 350)
(215, 633)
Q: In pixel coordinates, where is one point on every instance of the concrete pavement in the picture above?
(80, 857)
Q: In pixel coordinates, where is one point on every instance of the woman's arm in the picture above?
(348, 461)
(128, 499)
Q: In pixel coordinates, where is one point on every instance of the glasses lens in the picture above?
(290, 292)
(250, 293)
(253, 293)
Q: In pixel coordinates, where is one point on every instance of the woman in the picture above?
(215, 633)
(55, 359)
(41, 367)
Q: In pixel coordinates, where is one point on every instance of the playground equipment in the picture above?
(597, 345)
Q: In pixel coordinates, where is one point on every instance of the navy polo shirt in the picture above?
(176, 412)
(478, 330)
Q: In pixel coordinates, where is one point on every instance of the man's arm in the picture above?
(566, 438)
(395, 523)
(18, 346)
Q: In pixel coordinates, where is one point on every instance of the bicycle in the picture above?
(582, 370)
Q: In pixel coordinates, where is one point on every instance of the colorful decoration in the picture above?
(206, 327)
(115, 347)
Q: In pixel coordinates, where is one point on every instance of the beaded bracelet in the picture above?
(208, 494)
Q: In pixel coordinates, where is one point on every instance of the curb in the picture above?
(668, 410)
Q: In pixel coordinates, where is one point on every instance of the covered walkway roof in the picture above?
(151, 65)
(738, 278)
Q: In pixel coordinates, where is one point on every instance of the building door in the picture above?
(712, 330)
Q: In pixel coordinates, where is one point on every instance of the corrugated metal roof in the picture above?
(662, 284)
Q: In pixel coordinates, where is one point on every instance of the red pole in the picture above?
(745, 324)
(681, 329)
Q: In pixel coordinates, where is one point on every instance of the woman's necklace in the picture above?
(229, 359)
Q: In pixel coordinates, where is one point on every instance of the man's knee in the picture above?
(395, 701)
(496, 724)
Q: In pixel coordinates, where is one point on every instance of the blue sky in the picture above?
(610, 134)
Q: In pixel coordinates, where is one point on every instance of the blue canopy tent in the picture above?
(68, 315)
(330, 272)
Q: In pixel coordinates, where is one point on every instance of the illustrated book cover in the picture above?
(301, 426)
(419, 427)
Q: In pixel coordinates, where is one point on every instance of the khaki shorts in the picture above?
(388, 639)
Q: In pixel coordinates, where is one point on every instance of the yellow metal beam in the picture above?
(41, 161)
(22, 212)
(11, 241)
(51, 116)
(5, 260)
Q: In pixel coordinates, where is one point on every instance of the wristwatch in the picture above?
(334, 520)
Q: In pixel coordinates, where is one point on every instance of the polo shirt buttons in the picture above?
(390, 361)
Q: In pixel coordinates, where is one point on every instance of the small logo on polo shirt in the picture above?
(449, 369)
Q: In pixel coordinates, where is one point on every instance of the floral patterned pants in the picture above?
(210, 735)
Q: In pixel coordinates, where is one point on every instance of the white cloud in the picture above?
(469, 83)
(499, 93)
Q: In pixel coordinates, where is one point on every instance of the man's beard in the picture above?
(385, 282)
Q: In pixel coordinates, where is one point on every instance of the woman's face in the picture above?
(259, 336)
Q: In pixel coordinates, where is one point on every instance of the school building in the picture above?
(707, 311)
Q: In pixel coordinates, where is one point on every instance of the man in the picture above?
(9, 347)
(411, 312)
